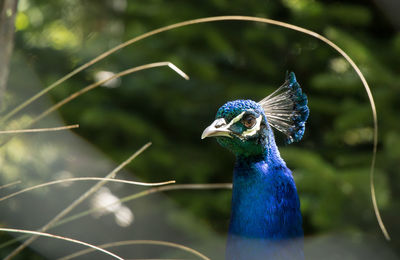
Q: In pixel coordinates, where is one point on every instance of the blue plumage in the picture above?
(265, 220)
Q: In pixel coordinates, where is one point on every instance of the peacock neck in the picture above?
(265, 204)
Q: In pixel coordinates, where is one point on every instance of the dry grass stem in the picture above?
(99, 83)
(10, 184)
(38, 130)
(177, 70)
(78, 93)
(36, 233)
(83, 179)
(77, 202)
(138, 242)
(207, 186)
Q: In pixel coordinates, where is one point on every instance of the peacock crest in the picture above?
(286, 109)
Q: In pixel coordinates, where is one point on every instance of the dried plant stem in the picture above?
(83, 179)
(68, 209)
(138, 242)
(58, 82)
(37, 130)
(118, 75)
(9, 184)
(94, 85)
(36, 233)
(206, 186)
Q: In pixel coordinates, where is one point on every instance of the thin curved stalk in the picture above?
(84, 179)
(78, 201)
(38, 130)
(9, 184)
(132, 197)
(96, 84)
(151, 191)
(138, 242)
(58, 82)
(99, 83)
(36, 233)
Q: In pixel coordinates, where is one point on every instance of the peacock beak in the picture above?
(217, 128)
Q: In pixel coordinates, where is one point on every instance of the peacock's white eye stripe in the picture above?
(252, 131)
(236, 119)
(249, 132)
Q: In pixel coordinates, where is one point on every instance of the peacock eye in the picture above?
(249, 121)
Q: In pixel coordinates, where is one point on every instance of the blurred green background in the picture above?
(226, 61)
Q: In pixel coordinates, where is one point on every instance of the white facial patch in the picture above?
(236, 119)
(252, 131)
(249, 132)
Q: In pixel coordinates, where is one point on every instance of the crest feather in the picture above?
(286, 109)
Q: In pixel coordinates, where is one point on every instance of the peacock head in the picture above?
(241, 127)
(244, 126)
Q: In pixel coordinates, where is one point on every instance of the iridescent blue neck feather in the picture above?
(265, 203)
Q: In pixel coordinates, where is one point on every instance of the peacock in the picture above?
(266, 221)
